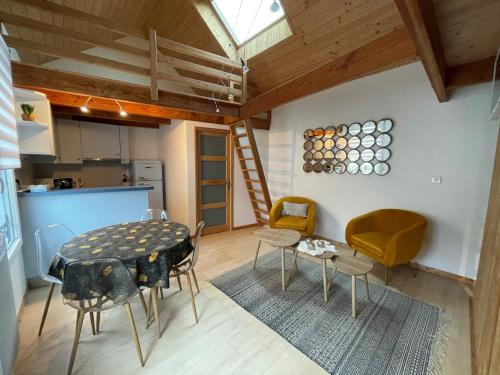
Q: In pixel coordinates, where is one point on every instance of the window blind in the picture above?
(9, 148)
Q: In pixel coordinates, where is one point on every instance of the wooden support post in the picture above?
(244, 88)
(153, 49)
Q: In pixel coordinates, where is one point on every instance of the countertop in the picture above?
(110, 189)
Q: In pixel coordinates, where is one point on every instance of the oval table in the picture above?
(148, 249)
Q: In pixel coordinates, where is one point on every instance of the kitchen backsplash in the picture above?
(92, 174)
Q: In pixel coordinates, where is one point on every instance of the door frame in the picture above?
(229, 178)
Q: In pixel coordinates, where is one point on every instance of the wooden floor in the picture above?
(227, 340)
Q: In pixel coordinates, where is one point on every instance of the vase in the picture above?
(28, 117)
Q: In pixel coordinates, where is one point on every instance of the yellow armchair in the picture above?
(304, 225)
(389, 236)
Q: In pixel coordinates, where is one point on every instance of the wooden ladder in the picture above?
(251, 166)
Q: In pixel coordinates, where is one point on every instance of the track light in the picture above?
(122, 111)
(275, 7)
(84, 108)
(244, 66)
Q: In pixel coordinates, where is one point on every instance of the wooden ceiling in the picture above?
(324, 31)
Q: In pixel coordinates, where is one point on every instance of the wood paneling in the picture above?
(393, 49)
(419, 17)
(470, 29)
(486, 302)
(471, 73)
(170, 105)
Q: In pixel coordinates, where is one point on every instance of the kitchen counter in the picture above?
(81, 210)
(85, 190)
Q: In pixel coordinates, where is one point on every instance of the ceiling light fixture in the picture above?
(122, 111)
(244, 66)
(275, 7)
(84, 108)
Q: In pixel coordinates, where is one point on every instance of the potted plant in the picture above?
(28, 110)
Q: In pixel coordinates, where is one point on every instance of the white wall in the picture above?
(454, 140)
(143, 143)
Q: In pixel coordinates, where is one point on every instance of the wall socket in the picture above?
(436, 179)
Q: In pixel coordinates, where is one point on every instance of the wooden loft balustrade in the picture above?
(160, 59)
(251, 166)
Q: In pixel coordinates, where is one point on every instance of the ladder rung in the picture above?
(239, 125)
(249, 170)
(241, 135)
(256, 191)
(256, 181)
(246, 158)
(258, 201)
(261, 210)
(242, 148)
(261, 221)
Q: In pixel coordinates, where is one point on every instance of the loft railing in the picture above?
(151, 55)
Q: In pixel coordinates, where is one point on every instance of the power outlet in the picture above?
(436, 179)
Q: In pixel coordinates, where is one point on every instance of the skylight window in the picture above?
(246, 18)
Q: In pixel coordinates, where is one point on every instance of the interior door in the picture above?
(213, 162)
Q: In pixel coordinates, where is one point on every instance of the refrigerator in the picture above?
(149, 173)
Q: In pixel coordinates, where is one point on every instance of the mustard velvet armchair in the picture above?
(304, 225)
(389, 236)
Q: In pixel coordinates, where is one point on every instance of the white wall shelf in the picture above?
(32, 124)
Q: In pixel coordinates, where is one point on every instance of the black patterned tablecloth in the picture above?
(148, 249)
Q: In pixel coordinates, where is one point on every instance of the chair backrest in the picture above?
(196, 242)
(48, 241)
(154, 214)
(97, 285)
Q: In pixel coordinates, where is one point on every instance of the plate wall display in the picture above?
(307, 167)
(355, 128)
(381, 168)
(329, 144)
(319, 133)
(369, 127)
(352, 168)
(308, 134)
(308, 145)
(318, 167)
(340, 168)
(308, 156)
(366, 168)
(342, 130)
(330, 131)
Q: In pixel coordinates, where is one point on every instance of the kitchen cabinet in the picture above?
(100, 141)
(69, 142)
(124, 147)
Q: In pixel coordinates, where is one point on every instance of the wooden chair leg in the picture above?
(161, 292)
(195, 281)
(46, 308)
(92, 322)
(134, 332)
(386, 278)
(353, 296)
(154, 294)
(78, 331)
(325, 280)
(192, 297)
(179, 281)
(333, 276)
(256, 255)
(355, 252)
(98, 316)
(143, 302)
(150, 309)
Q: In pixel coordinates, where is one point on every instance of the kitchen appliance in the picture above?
(148, 173)
(64, 183)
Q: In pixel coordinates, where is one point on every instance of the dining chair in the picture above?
(154, 214)
(48, 241)
(96, 286)
(187, 266)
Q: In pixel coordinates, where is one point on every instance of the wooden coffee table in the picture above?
(282, 239)
(354, 267)
(323, 257)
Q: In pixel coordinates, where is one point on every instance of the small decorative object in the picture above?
(360, 147)
(320, 243)
(28, 110)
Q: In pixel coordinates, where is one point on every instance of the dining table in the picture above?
(149, 250)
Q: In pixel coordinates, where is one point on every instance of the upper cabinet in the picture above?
(78, 141)
(35, 135)
(69, 142)
(100, 141)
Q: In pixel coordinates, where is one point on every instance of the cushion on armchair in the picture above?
(291, 222)
(295, 209)
(374, 241)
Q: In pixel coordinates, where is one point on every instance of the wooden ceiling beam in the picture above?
(105, 23)
(420, 19)
(108, 115)
(471, 73)
(169, 105)
(393, 49)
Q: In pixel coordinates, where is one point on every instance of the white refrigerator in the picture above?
(149, 173)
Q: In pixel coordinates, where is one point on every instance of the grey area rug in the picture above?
(394, 334)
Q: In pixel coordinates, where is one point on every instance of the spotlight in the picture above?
(244, 66)
(123, 113)
(84, 108)
(275, 7)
